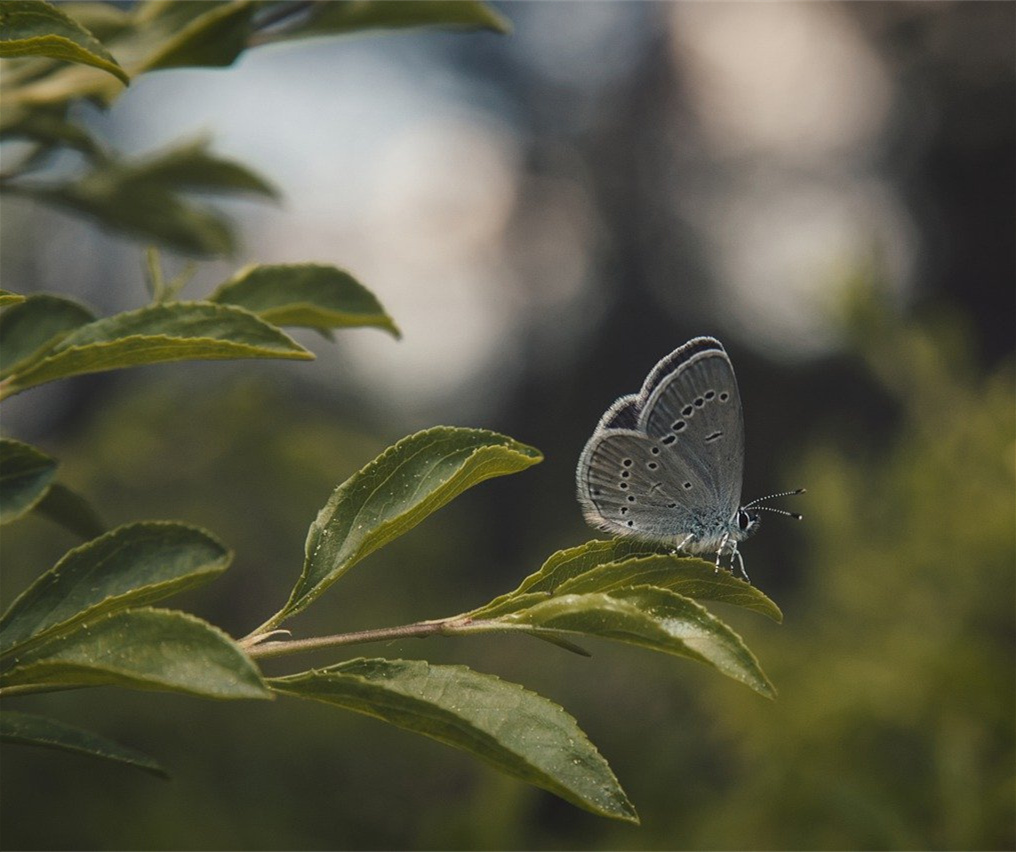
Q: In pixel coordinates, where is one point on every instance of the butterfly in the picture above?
(665, 465)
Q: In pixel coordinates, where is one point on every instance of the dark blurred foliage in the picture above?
(895, 722)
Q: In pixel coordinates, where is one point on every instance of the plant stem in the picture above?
(257, 649)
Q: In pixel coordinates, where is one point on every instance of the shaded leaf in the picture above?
(212, 39)
(335, 18)
(35, 28)
(131, 565)
(29, 729)
(34, 325)
(190, 166)
(49, 128)
(142, 649)
(310, 295)
(658, 619)
(25, 475)
(179, 331)
(143, 196)
(72, 511)
(393, 493)
(518, 732)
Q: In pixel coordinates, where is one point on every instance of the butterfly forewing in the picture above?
(696, 414)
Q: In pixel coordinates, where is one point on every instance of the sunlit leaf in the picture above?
(518, 732)
(393, 493)
(604, 566)
(34, 325)
(7, 298)
(25, 475)
(35, 28)
(653, 618)
(131, 565)
(178, 331)
(72, 511)
(306, 294)
(141, 649)
(29, 729)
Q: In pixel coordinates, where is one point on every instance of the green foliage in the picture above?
(345, 16)
(139, 649)
(517, 731)
(134, 564)
(392, 494)
(29, 729)
(86, 621)
(30, 28)
(25, 475)
(179, 332)
(310, 295)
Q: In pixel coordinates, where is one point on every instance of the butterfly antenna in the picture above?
(758, 500)
(794, 515)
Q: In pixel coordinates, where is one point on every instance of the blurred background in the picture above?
(828, 188)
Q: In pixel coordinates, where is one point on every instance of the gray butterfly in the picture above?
(665, 465)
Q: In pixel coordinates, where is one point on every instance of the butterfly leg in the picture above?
(687, 538)
(740, 562)
(719, 550)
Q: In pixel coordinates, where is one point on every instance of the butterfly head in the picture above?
(748, 522)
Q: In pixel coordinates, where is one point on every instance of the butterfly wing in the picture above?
(657, 470)
(695, 412)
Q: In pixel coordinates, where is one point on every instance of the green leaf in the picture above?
(29, 729)
(8, 298)
(25, 475)
(72, 511)
(310, 295)
(144, 209)
(689, 577)
(518, 732)
(34, 325)
(190, 166)
(50, 128)
(143, 197)
(605, 566)
(179, 331)
(141, 649)
(393, 493)
(344, 17)
(213, 39)
(653, 618)
(131, 565)
(35, 28)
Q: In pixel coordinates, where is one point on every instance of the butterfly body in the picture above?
(665, 465)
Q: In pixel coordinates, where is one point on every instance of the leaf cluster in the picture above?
(90, 619)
